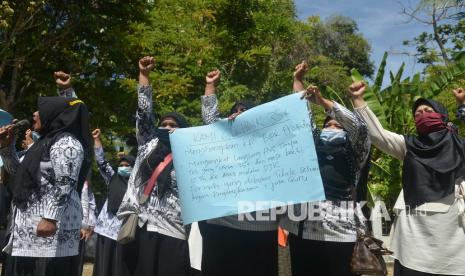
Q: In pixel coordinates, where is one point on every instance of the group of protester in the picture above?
(50, 220)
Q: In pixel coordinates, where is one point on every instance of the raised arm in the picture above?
(353, 124)
(63, 82)
(210, 112)
(145, 121)
(356, 129)
(459, 94)
(299, 73)
(385, 140)
(350, 122)
(106, 171)
(298, 86)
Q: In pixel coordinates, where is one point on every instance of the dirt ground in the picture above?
(87, 271)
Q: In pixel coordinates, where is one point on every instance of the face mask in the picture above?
(333, 136)
(35, 136)
(124, 171)
(429, 122)
(163, 135)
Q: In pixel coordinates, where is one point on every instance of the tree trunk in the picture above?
(10, 100)
(2, 67)
(438, 40)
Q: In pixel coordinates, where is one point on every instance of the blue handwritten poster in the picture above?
(265, 155)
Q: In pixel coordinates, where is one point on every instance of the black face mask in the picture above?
(163, 135)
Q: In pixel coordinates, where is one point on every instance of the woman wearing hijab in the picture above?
(428, 234)
(231, 246)
(160, 246)
(63, 81)
(48, 217)
(108, 252)
(322, 244)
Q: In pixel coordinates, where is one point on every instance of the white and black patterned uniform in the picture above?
(337, 223)
(67, 93)
(56, 199)
(211, 114)
(108, 224)
(89, 219)
(161, 215)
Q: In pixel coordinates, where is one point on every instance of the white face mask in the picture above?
(124, 171)
(332, 136)
(35, 136)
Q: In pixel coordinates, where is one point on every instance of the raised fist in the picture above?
(96, 133)
(62, 79)
(459, 94)
(357, 89)
(300, 70)
(313, 94)
(146, 64)
(213, 77)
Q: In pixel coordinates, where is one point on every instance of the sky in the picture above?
(380, 22)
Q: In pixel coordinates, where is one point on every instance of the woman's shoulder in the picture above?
(67, 141)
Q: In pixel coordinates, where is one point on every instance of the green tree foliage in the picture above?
(446, 37)
(86, 38)
(255, 44)
(332, 47)
(338, 39)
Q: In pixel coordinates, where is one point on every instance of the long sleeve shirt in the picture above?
(88, 207)
(108, 224)
(56, 199)
(162, 215)
(429, 238)
(334, 221)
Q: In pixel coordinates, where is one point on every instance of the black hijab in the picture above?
(337, 172)
(118, 186)
(59, 116)
(163, 134)
(246, 104)
(433, 162)
(178, 117)
(158, 154)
